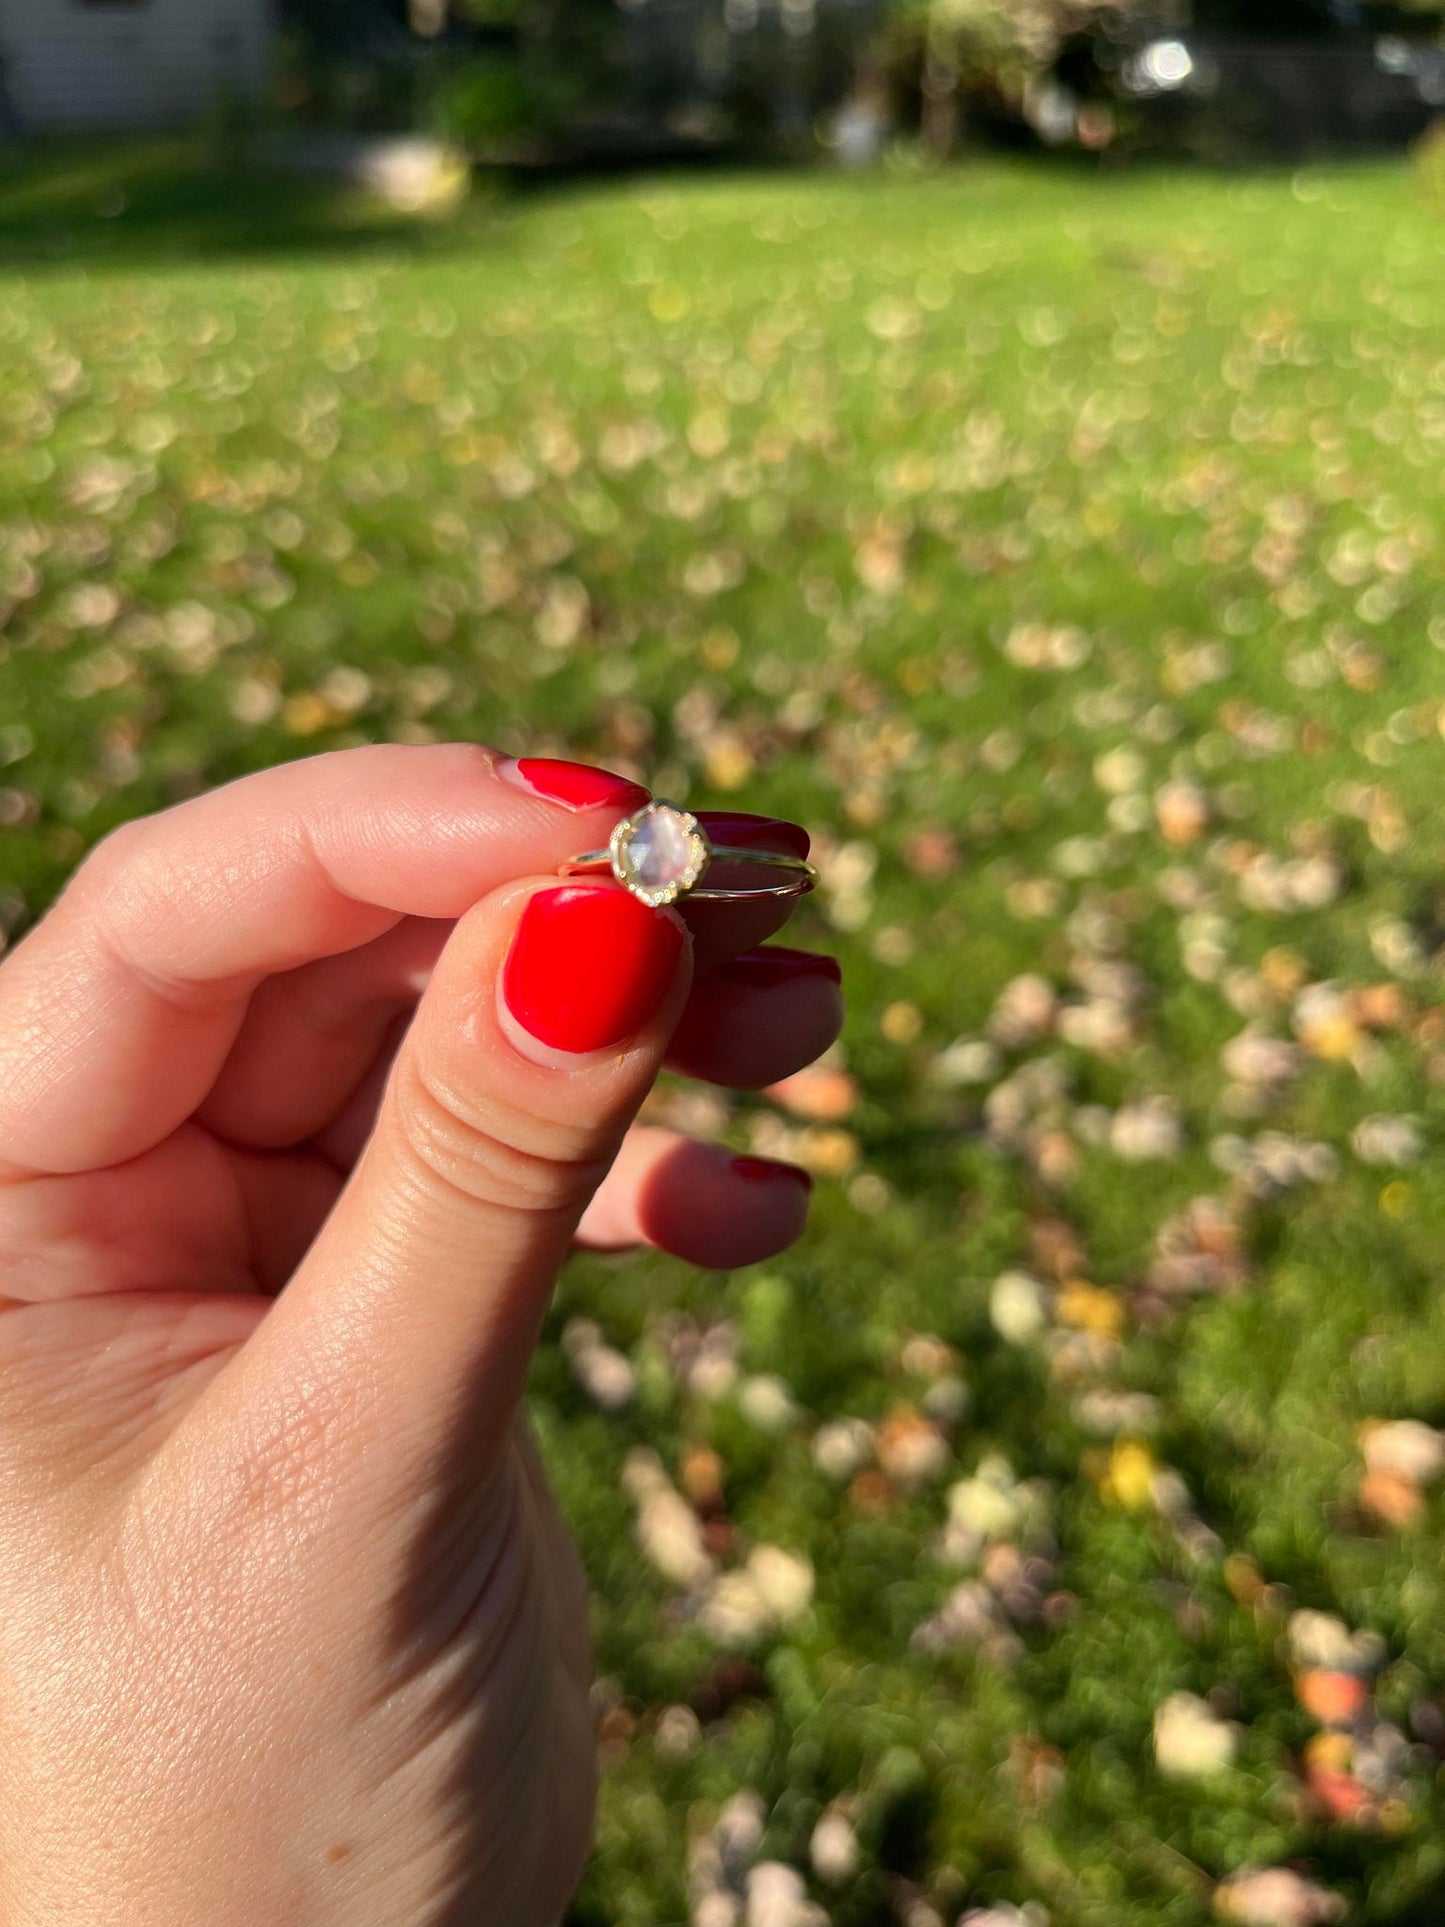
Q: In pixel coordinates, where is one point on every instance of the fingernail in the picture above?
(767, 1170)
(751, 832)
(588, 966)
(577, 785)
(764, 969)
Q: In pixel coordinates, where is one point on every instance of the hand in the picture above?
(292, 1631)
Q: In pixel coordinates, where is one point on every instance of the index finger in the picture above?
(118, 1010)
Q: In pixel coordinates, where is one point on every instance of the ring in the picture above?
(661, 852)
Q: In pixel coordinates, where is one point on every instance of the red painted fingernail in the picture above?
(766, 1170)
(750, 832)
(578, 785)
(764, 969)
(588, 966)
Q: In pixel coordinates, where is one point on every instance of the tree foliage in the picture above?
(1284, 19)
(1006, 41)
(992, 49)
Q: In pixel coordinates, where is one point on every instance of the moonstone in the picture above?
(659, 850)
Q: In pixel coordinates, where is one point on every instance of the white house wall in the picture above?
(138, 63)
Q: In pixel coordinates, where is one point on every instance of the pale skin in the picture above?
(292, 1630)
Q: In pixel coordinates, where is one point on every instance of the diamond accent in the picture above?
(658, 853)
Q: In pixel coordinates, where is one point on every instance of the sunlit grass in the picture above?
(1065, 552)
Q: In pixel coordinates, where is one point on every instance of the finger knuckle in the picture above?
(117, 887)
(114, 856)
(494, 1155)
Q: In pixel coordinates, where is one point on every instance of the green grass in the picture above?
(769, 488)
(176, 199)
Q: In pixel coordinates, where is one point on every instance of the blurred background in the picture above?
(1007, 438)
(587, 83)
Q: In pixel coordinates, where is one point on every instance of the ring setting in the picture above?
(658, 853)
(662, 853)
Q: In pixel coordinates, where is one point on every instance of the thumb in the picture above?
(417, 1309)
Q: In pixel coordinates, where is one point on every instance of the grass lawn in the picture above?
(1065, 552)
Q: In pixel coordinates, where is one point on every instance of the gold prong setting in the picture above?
(658, 853)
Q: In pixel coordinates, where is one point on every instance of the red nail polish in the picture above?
(588, 966)
(765, 969)
(578, 785)
(766, 1170)
(751, 832)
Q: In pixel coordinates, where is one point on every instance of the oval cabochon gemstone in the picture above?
(660, 850)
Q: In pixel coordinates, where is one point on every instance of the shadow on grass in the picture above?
(114, 206)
